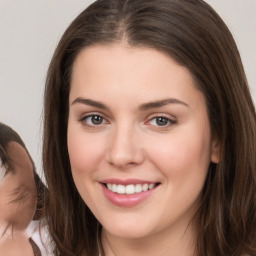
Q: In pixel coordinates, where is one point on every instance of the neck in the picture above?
(172, 243)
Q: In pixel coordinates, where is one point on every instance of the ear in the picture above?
(215, 151)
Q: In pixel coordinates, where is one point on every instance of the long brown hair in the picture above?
(193, 34)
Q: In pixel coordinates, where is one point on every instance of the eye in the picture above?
(161, 121)
(94, 120)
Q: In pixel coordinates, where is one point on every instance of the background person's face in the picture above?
(117, 137)
(17, 189)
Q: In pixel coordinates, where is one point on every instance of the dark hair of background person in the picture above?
(7, 135)
(192, 33)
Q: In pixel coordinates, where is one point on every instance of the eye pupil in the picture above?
(161, 121)
(97, 120)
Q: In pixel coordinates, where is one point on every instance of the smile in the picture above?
(130, 188)
(128, 193)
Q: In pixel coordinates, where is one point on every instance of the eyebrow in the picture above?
(143, 107)
(90, 102)
(161, 103)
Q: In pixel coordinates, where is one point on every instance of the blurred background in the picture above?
(29, 33)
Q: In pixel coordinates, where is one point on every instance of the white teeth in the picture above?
(150, 186)
(114, 188)
(120, 189)
(145, 187)
(138, 188)
(130, 189)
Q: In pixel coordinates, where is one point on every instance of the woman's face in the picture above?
(139, 139)
(17, 189)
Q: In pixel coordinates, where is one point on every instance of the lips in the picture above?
(128, 193)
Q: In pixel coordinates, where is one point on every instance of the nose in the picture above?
(125, 149)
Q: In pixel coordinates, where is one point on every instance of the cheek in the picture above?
(85, 152)
(181, 154)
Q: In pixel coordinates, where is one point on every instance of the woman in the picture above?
(149, 134)
(21, 195)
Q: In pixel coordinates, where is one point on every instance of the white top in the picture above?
(40, 237)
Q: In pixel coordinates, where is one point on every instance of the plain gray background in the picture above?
(29, 33)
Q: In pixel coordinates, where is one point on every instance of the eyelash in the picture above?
(169, 121)
(83, 120)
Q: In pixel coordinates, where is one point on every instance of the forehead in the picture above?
(18, 155)
(119, 73)
(124, 59)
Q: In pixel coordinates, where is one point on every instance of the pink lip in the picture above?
(124, 200)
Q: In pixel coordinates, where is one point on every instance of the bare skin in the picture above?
(15, 214)
(136, 115)
(17, 245)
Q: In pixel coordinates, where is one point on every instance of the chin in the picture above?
(129, 230)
